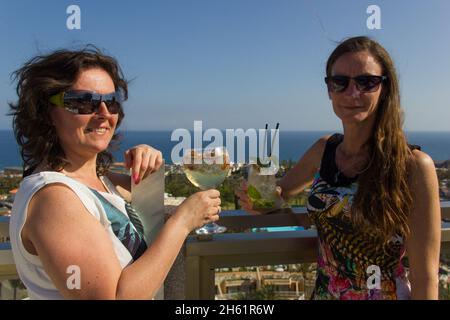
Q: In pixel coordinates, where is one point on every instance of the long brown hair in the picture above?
(383, 199)
(39, 79)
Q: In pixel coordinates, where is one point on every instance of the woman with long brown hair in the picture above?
(374, 198)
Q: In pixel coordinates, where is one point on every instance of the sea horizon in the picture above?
(293, 143)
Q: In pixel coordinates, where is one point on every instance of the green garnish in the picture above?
(253, 193)
(263, 204)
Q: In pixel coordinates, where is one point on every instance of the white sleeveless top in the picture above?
(29, 267)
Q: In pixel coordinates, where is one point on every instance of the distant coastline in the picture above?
(292, 144)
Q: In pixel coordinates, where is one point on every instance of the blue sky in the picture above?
(237, 63)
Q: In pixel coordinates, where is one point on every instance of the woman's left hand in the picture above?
(143, 160)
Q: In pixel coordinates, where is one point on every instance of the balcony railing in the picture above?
(193, 274)
(256, 248)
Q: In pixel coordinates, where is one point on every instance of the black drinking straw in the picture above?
(273, 140)
(264, 146)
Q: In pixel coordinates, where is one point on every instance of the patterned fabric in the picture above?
(134, 218)
(350, 259)
(128, 230)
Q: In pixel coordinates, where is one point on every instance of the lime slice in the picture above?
(263, 204)
(253, 193)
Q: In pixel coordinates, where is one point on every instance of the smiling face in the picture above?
(86, 135)
(351, 105)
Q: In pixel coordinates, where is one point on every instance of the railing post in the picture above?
(200, 284)
(207, 281)
(192, 289)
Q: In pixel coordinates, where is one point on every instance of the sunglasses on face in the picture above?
(87, 102)
(364, 83)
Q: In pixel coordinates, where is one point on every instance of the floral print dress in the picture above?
(352, 263)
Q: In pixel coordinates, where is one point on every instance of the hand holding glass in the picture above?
(262, 187)
(207, 169)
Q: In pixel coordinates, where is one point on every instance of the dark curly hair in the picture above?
(39, 79)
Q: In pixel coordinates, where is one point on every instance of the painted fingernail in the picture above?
(135, 178)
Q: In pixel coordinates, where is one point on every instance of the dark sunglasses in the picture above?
(364, 83)
(87, 102)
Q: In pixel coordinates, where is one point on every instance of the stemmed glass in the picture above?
(207, 169)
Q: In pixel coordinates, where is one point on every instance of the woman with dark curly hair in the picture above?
(374, 199)
(68, 215)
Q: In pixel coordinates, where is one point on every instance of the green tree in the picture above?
(9, 183)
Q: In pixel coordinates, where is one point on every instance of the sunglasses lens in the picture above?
(338, 83)
(368, 83)
(113, 106)
(80, 106)
(89, 103)
(89, 107)
(363, 83)
(113, 102)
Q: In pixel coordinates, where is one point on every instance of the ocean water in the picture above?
(292, 144)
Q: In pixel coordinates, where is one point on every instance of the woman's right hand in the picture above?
(246, 203)
(199, 209)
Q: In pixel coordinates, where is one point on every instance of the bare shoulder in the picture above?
(317, 149)
(322, 141)
(54, 202)
(423, 178)
(421, 164)
(302, 174)
(51, 194)
(310, 161)
(58, 208)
